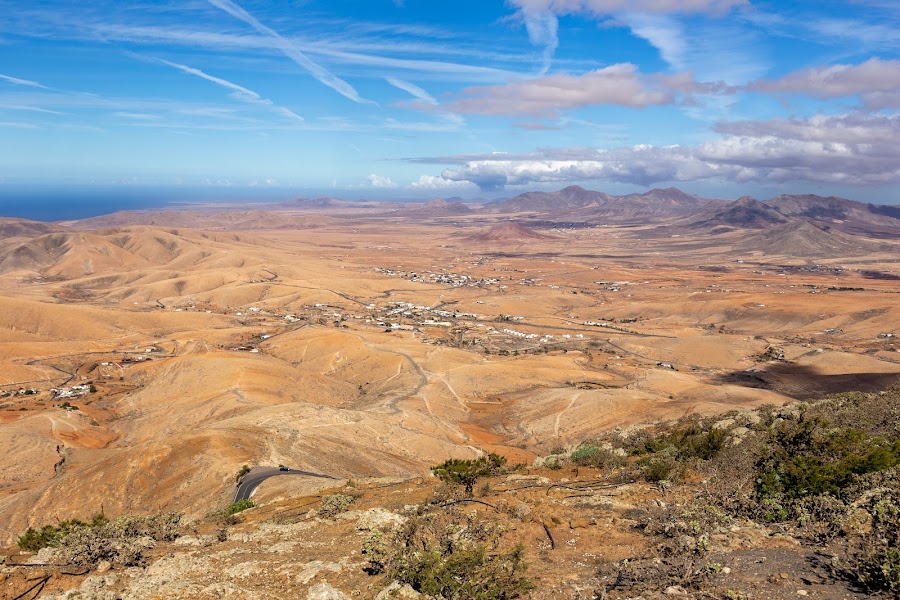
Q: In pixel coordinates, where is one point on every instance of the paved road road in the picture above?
(256, 476)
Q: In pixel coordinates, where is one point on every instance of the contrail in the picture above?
(240, 92)
(412, 89)
(18, 81)
(288, 49)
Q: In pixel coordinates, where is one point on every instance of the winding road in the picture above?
(249, 482)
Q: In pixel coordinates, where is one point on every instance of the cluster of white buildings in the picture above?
(76, 391)
(451, 279)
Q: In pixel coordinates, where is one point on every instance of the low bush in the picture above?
(810, 458)
(466, 472)
(222, 517)
(243, 471)
(49, 536)
(239, 506)
(659, 467)
(335, 504)
(449, 555)
(688, 442)
(873, 560)
(589, 455)
(121, 542)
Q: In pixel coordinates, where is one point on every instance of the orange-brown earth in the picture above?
(362, 344)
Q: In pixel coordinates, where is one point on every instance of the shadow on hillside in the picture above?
(803, 382)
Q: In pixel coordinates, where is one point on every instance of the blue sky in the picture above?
(423, 98)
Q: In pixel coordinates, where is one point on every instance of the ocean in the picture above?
(63, 203)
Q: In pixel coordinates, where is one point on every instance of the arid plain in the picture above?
(369, 339)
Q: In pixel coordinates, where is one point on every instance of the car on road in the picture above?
(283, 468)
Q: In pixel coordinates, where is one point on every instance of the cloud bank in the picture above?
(852, 149)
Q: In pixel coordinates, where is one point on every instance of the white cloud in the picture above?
(619, 84)
(435, 183)
(854, 128)
(609, 7)
(662, 32)
(542, 27)
(876, 82)
(540, 18)
(381, 182)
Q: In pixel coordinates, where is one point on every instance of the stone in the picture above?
(312, 569)
(752, 418)
(103, 566)
(324, 591)
(521, 510)
(740, 432)
(378, 518)
(579, 523)
(675, 590)
(396, 590)
(43, 557)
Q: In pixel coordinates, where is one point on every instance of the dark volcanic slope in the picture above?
(655, 205)
(575, 203)
(435, 208)
(572, 197)
(825, 213)
(810, 226)
(509, 232)
(805, 238)
(745, 213)
(840, 213)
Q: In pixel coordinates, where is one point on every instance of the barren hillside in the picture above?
(142, 366)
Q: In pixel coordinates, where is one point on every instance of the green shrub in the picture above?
(808, 458)
(243, 471)
(33, 540)
(50, 536)
(222, 517)
(466, 472)
(688, 442)
(589, 455)
(335, 504)
(874, 558)
(449, 555)
(659, 467)
(239, 506)
(121, 542)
